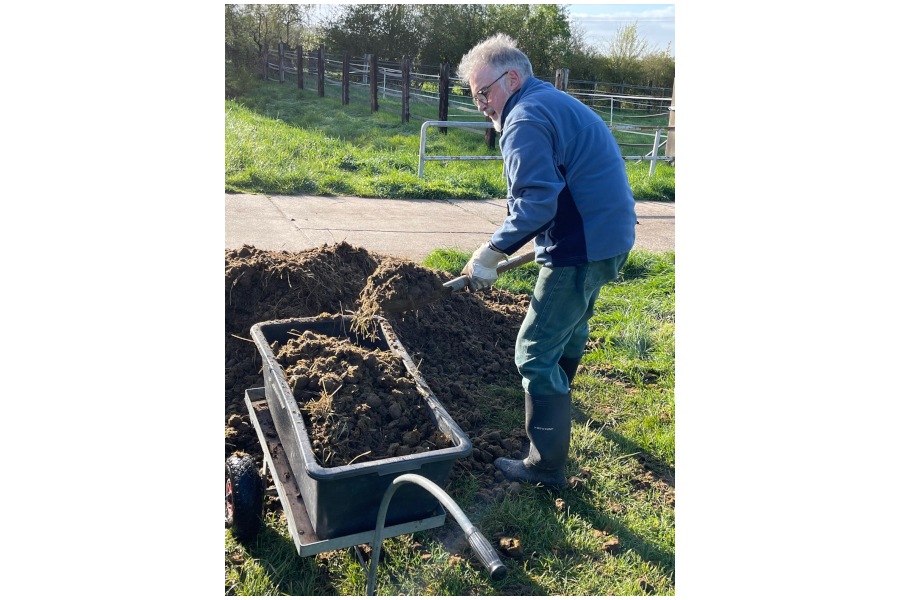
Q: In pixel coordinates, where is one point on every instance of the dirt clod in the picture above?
(512, 546)
(611, 546)
(576, 482)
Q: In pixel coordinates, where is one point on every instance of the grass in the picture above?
(623, 432)
(283, 140)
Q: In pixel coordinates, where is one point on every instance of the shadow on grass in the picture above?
(292, 574)
(646, 550)
(649, 461)
(551, 542)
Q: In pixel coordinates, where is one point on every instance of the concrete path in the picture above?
(403, 228)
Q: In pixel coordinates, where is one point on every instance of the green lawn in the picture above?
(622, 444)
(282, 140)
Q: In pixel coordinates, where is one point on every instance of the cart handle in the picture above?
(486, 554)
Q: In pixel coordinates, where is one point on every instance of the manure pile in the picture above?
(359, 405)
(460, 344)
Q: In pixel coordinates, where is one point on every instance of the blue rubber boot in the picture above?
(548, 423)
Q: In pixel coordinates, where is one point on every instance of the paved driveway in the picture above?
(402, 228)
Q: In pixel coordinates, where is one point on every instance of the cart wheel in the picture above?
(243, 497)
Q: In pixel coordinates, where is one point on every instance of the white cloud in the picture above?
(657, 26)
(662, 13)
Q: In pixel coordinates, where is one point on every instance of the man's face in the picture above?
(498, 91)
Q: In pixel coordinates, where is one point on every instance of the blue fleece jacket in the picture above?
(566, 182)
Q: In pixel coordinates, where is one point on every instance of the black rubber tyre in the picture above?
(243, 497)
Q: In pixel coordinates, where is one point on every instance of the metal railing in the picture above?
(466, 124)
(653, 156)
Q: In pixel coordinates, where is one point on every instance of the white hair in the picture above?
(499, 51)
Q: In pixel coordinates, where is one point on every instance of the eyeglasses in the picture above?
(482, 94)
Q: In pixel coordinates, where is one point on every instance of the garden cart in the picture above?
(332, 508)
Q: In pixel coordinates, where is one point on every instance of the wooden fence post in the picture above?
(345, 80)
(300, 67)
(280, 62)
(444, 95)
(404, 93)
(490, 135)
(373, 81)
(562, 79)
(321, 71)
(266, 62)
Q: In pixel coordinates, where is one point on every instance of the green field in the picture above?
(283, 140)
(623, 435)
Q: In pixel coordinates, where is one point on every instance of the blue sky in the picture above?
(656, 22)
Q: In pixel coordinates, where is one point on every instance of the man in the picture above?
(568, 191)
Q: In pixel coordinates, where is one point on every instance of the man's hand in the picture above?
(482, 267)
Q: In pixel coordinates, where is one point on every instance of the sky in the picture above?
(656, 22)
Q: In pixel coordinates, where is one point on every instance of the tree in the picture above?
(545, 37)
(623, 53)
(391, 31)
(259, 24)
(449, 31)
(432, 33)
(586, 63)
(239, 26)
(659, 67)
(291, 15)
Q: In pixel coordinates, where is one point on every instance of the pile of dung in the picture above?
(262, 285)
(358, 404)
(463, 345)
(396, 286)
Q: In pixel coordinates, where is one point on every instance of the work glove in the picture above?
(482, 267)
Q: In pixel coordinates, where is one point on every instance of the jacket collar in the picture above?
(514, 99)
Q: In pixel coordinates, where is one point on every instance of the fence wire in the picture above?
(616, 109)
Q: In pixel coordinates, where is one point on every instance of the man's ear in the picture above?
(515, 81)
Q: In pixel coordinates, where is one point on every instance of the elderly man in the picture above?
(567, 190)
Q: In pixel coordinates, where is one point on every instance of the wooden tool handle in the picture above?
(514, 262)
(462, 282)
